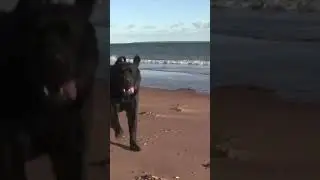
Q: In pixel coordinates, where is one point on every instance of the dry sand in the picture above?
(270, 138)
(174, 133)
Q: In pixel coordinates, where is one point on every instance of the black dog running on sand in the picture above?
(125, 80)
(47, 82)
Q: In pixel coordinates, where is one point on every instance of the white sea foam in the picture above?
(174, 74)
(113, 58)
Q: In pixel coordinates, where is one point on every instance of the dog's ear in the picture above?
(121, 59)
(136, 60)
(25, 5)
(85, 7)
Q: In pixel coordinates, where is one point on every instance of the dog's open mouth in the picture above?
(68, 90)
(129, 91)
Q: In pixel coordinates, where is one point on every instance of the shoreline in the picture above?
(241, 87)
(276, 93)
(248, 88)
(182, 90)
(272, 93)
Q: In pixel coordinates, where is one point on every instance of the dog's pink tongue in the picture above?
(69, 90)
(131, 90)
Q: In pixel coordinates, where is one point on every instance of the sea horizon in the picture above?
(146, 42)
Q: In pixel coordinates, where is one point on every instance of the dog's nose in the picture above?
(128, 81)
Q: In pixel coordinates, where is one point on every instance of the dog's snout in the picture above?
(128, 81)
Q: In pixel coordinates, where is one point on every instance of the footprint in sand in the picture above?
(149, 114)
(148, 177)
(178, 108)
(152, 177)
(206, 165)
(183, 108)
(146, 140)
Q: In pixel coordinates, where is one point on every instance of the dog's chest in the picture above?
(122, 106)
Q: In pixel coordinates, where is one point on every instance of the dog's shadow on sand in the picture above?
(125, 147)
(106, 162)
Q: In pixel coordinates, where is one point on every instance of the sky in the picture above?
(159, 20)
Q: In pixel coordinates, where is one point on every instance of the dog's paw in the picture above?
(134, 147)
(118, 133)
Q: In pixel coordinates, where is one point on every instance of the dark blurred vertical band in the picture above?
(100, 17)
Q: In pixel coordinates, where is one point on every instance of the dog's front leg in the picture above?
(132, 115)
(115, 123)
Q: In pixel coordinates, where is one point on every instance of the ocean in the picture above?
(290, 68)
(170, 65)
(165, 65)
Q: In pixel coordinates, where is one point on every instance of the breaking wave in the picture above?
(113, 58)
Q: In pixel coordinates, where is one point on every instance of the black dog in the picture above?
(54, 67)
(125, 80)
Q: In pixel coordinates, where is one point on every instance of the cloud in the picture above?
(206, 25)
(201, 25)
(197, 25)
(161, 35)
(131, 26)
(178, 25)
(149, 27)
(184, 29)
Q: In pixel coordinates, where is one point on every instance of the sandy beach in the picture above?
(260, 135)
(174, 133)
(268, 137)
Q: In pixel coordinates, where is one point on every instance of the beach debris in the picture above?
(149, 113)
(177, 108)
(147, 140)
(152, 177)
(149, 177)
(206, 165)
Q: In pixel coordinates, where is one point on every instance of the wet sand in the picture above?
(269, 138)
